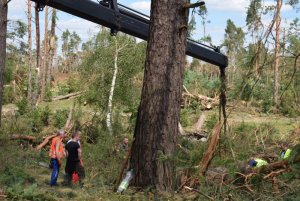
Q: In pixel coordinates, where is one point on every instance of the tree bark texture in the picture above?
(38, 55)
(112, 88)
(52, 46)
(45, 57)
(3, 31)
(156, 128)
(29, 93)
(277, 44)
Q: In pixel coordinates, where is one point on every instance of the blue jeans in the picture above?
(55, 171)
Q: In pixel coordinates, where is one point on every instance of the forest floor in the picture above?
(23, 178)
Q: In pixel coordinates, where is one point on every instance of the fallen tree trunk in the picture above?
(206, 101)
(45, 142)
(66, 96)
(23, 137)
(284, 164)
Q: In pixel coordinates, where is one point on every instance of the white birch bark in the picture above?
(112, 88)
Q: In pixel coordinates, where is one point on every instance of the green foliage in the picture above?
(13, 175)
(253, 18)
(185, 117)
(98, 67)
(73, 84)
(48, 95)
(39, 118)
(8, 71)
(234, 39)
(16, 29)
(63, 89)
(15, 180)
(60, 118)
(191, 26)
(8, 95)
(288, 109)
(211, 122)
(23, 106)
(45, 115)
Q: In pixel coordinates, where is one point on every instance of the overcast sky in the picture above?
(218, 13)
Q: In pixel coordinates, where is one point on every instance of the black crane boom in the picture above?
(129, 22)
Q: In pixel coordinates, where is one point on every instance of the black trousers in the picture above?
(79, 169)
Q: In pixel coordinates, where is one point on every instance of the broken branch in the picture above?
(23, 137)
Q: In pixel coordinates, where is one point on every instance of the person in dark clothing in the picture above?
(74, 158)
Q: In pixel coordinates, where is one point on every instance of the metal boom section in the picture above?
(121, 18)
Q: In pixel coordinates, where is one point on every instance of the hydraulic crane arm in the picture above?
(129, 22)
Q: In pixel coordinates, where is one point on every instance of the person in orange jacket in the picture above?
(57, 152)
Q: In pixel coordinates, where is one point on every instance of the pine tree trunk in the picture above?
(38, 55)
(156, 130)
(276, 66)
(29, 95)
(3, 31)
(44, 71)
(52, 47)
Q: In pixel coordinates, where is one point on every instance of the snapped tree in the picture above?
(156, 128)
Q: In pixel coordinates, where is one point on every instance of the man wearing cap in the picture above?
(57, 152)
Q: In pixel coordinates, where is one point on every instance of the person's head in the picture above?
(252, 163)
(125, 141)
(60, 133)
(76, 135)
(284, 145)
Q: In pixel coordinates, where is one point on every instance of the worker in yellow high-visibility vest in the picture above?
(285, 151)
(257, 163)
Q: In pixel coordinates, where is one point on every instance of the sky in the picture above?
(218, 13)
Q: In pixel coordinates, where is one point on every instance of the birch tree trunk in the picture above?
(276, 66)
(3, 31)
(29, 95)
(112, 88)
(156, 130)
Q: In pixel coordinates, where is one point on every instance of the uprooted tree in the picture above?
(156, 128)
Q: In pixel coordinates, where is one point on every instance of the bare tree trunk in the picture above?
(3, 31)
(29, 95)
(276, 66)
(112, 88)
(156, 131)
(44, 71)
(38, 55)
(52, 46)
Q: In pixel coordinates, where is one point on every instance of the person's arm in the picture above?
(57, 151)
(66, 152)
(80, 156)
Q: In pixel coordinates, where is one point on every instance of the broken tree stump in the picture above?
(211, 148)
